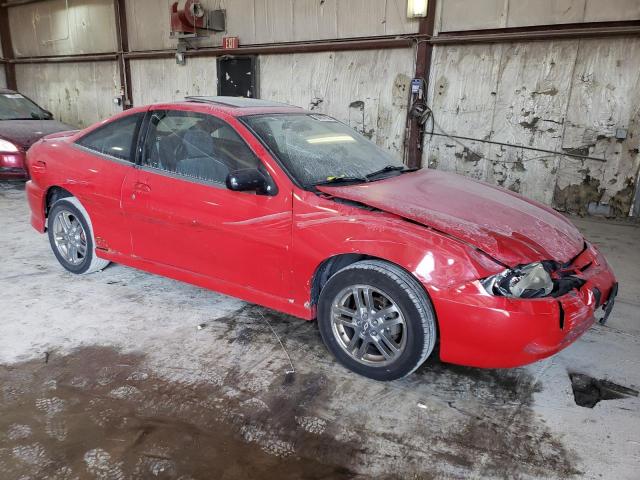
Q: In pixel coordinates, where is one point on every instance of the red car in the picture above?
(22, 123)
(297, 212)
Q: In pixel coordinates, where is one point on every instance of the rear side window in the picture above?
(116, 138)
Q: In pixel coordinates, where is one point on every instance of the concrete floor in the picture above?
(122, 374)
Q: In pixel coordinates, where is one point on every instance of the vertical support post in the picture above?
(122, 39)
(424, 51)
(7, 49)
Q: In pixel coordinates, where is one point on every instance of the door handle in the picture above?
(142, 187)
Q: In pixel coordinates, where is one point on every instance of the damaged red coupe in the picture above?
(296, 211)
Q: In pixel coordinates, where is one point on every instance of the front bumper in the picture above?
(481, 330)
(12, 166)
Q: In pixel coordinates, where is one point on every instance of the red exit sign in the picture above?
(230, 42)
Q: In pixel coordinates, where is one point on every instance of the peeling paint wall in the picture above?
(63, 27)
(162, 80)
(367, 89)
(78, 94)
(268, 21)
(567, 96)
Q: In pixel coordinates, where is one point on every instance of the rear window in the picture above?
(115, 139)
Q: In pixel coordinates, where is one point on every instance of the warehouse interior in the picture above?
(124, 374)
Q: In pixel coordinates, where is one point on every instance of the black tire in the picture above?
(409, 298)
(90, 262)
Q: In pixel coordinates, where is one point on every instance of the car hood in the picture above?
(25, 133)
(506, 226)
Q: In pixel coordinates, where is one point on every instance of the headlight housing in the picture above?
(7, 146)
(525, 281)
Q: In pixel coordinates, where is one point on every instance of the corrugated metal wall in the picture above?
(568, 96)
(460, 15)
(269, 21)
(329, 82)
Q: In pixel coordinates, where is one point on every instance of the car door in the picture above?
(104, 159)
(183, 216)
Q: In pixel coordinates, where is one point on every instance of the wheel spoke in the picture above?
(346, 322)
(384, 338)
(382, 349)
(391, 323)
(358, 299)
(363, 348)
(385, 312)
(65, 222)
(82, 249)
(340, 310)
(73, 253)
(354, 340)
(368, 299)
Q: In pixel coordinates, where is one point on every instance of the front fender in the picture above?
(324, 228)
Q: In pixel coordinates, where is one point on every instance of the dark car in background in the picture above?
(22, 123)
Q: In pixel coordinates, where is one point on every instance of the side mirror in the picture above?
(250, 180)
(45, 115)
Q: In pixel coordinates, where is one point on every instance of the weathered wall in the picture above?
(79, 94)
(567, 96)
(267, 21)
(458, 15)
(367, 89)
(63, 27)
(156, 81)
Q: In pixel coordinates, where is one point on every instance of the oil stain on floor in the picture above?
(97, 414)
(101, 413)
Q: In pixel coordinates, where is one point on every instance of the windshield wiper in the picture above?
(389, 168)
(341, 179)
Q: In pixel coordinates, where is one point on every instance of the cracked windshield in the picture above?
(317, 149)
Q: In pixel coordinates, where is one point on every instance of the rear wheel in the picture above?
(71, 237)
(377, 320)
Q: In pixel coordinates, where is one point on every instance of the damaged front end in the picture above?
(536, 280)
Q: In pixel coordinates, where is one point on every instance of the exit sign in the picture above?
(230, 42)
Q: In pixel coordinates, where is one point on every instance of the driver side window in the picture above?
(195, 146)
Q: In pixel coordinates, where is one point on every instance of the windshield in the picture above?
(14, 106)
(318, 149)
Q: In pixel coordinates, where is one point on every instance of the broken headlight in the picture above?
(525, 281)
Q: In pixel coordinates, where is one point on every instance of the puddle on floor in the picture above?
(97, 414)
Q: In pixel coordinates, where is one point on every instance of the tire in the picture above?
(80, 232)
(402, 317)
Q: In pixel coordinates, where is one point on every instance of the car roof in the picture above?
(240, 106)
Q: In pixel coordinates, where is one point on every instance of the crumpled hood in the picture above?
(510, 228)
(25, 133)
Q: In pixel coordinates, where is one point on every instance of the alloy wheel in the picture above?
(69, 237)
(368, 325)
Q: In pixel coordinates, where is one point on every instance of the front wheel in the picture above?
(377, 320)
(71, 237)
